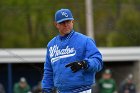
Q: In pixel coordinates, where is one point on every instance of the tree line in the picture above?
(29, 23)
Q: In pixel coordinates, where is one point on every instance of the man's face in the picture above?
(106, 76)
(22, 84)
(129, 81)
(65, 27)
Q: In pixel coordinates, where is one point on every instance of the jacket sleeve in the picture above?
(47, 81)
(93, 57)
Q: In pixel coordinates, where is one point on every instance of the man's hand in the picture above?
(76, 66)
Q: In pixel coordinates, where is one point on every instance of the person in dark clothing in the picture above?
(127, 86)
(2, 88)
(37, 88)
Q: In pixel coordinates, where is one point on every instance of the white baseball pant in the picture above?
(87, 91)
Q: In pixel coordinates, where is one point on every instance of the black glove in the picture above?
(75, 66)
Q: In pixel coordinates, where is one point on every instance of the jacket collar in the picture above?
(67, 36)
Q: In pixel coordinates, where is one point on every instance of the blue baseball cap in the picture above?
(63, 15)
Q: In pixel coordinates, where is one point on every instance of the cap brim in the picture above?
(65, 20)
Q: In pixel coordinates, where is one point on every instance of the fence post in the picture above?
(9, 78)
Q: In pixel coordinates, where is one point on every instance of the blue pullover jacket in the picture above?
(70, 48)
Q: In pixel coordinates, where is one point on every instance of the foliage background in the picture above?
(29, 23)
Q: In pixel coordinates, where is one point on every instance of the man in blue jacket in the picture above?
(72, 59)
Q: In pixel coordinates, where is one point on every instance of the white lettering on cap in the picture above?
(64, 14)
